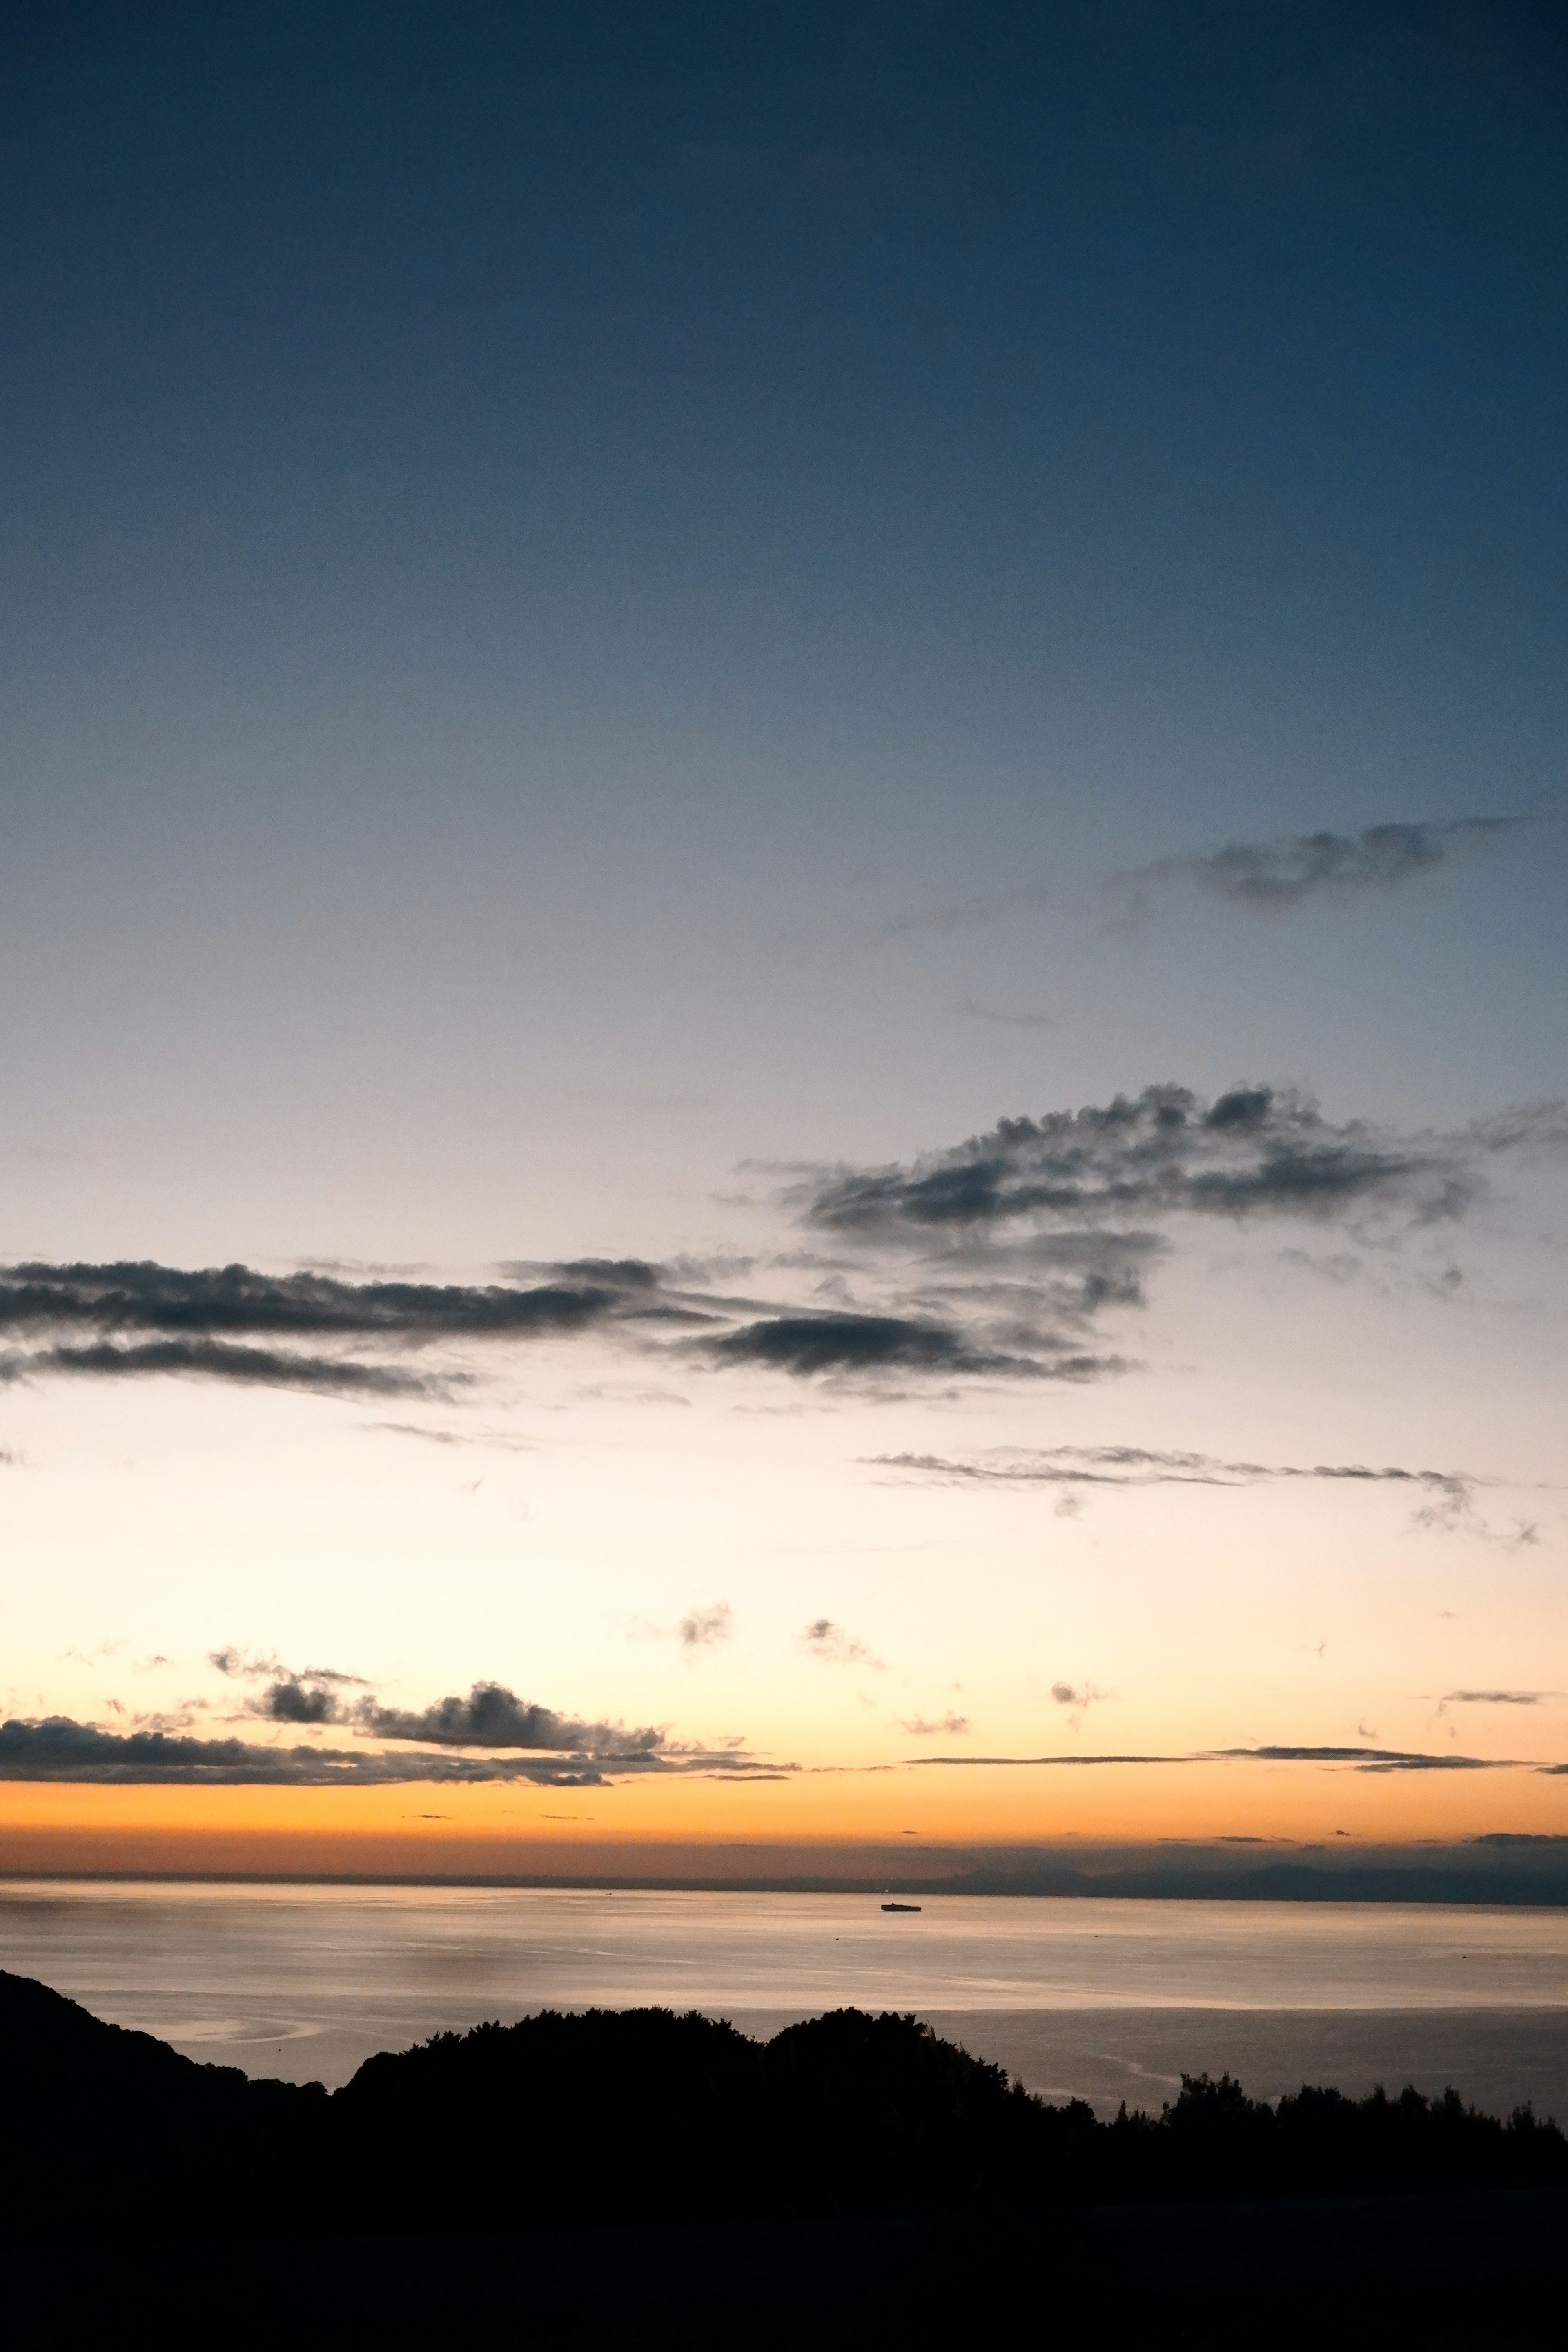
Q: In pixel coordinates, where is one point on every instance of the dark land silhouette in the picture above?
(550, 2157)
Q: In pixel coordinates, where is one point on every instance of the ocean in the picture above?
(1103, 2000)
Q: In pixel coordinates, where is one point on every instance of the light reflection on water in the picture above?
(1100, 1999)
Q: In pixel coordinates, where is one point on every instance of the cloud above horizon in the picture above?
(1004, 1258)
(516, 1739)
(493, 1716)
(1272, 877)
(1360, 1760)
(57, 1748)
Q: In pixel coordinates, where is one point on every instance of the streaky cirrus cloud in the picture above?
(1271, 877)
(1445, 1499)
(1142, 1466)
(1495, 1697)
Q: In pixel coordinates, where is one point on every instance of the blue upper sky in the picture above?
(575, 521)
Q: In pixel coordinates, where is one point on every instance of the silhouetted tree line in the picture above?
(642, 2115)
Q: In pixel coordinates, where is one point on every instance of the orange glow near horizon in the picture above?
(658, 1827)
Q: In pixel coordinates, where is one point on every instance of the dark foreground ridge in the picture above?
(868, 2139)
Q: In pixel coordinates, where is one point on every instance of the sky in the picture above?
(782, 877)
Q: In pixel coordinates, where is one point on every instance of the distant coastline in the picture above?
(1539, 1881)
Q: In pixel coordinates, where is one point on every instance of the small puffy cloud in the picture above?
(703, 1627)
(945, 1726)
(834, 1647)
(493, 1716)
(289, 1700)
(1077, 1697)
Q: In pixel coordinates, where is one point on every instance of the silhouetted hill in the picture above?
(641, 2115)
(116, 2129)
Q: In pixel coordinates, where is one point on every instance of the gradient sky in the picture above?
(628, 630)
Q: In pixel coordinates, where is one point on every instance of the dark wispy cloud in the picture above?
(217, 1360)
(1165, 1152)
(56, 1748)
(1370, 1760)
(1495, 1697)
(244, 1664)
(1269, 877)
(144, 1319)
(835, 1647)
(235, 1300)
(520, 1743)
(1360, 1760)
(1007, 1256)
(837, 1341)
(949, 1726)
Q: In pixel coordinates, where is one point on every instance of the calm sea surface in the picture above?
(1103, 2001)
